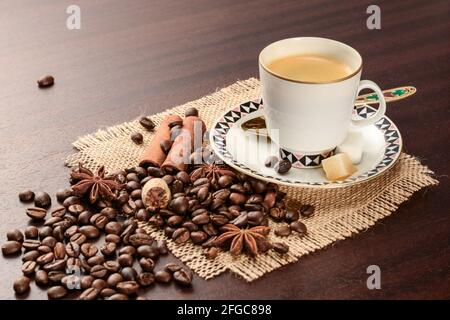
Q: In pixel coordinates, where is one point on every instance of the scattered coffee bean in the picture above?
(56, 292)
(299, 227)
(306, 210)
(282, 166)
(98, 271)
(180, 235)
(282, 231)
(114, 279)
(15, 235)
(147, 123)
(36, 213)
(118, 296)
(31, 232)
(108, 248)
(163, 276)
(292, 215)
(11, 247)
(281, 248)
(46, 81)
(137, 137)
(271, 161)
(128, 287)
(41, 278)
(88, 250)
(90, 232)
(183, 277)
(172, 267)
(211, 253)
(125, 260)
(26, 196)
(63, 194)
(21, 285)
(147, 264)
(31, 244)
(129, 273)
(145, 279)
(89, 294)
(42, 200)
(30, 255)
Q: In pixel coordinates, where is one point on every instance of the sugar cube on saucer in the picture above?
(352, 146)
(338, 167)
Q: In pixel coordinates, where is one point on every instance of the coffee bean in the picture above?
(41, 278)
(130, 207)
(56, 265)
(306, 210)
(147, 123)
(63, 194)
(161, 245)
(55, 277)
(108, 248)
(283, 166)
(277, 213)
(50, 222)
(59, 250)
(77, 263)
(56, 292)
(113, 227)
(46, 81)
(112, 238)
(155, 172)
(298, 227)
(31, 232)
(95, 260)
(42, 200)
(58, 233)
(45, 258)
(127, 250)
(125, 260)
(183, 277)
(271, 161)
(49, 241)
(180, 235)
(147, 264)
(292, 215)
(36, 213)
(26, 196)
(114, 279)
(30, 255)
(99, 284)
(21, 285)
(180, 205)
(165, 145)
(255, 218)
(163, 276)
(140, 239)
(90, 232)
(128, 287)
(282, 231)
(99, 271)
(281, 248)
(73, 249)
(118, 296)
(218, 219)
(88, 250)
(198, 237)
(191, 112)
(237, 198)
(147, 251)
(128, 273)
(75, 209)
(112, 266)
(241, 221)
(211, 253)
(15, 235)
(145, 279)
(86, 281)
(28, 267)
(225, 181)
(71, 200)
(31, 244)
(44, 249)
(99, 220)
(210, 230)
(89, 294)
(137, 137)
(177, 186)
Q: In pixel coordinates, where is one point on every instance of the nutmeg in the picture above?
(156, 194)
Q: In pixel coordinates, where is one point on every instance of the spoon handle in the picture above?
(389, 95)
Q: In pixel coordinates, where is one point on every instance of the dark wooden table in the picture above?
(140, 57)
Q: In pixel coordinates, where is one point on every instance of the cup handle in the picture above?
(367, 84)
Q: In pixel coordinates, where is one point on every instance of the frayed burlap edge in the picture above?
(340, 213)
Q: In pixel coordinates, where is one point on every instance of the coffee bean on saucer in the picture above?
(282, 166)
(306, 210)
(36, 213)
(191, 112)
(21, 285)
(165, 146)
(11, 247)
(46, 81)
(147, 123)
(281, 248)
(15, 235)
(137, 138)
(42, 200)
(271, 161)
(298, 227)
(282, 231)
(26, 196)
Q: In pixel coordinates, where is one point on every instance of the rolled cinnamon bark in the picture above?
(191, 135)
(154, 155)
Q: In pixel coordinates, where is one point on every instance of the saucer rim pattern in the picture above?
(220, 128)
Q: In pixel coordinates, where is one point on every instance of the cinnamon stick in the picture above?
(154, 155)
(191, 134)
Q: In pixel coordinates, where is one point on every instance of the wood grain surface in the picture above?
(140, 57)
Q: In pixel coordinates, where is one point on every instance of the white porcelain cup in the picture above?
(312, 118)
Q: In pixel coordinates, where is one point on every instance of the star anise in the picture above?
(97, 184)
(252, 240)
(212, 171)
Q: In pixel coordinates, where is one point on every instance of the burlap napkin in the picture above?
(340, 213)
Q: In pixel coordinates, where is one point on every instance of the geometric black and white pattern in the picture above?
(390, 132)
(305, 161)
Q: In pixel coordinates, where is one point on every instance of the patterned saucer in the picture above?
(246, 151)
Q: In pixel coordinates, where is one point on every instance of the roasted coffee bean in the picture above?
(99, 220)
(128, 273)
(183, 277)
(49, 241)
(112, 266)
(84, 217)
(201, 219)
(129, 208)
(292, 215)
(71, 201)
(75, 263)
(147, 123)
(127, 250)
(198, 237)
(55, 265)
(163, 276)
(113, 227)
(96, 260)
(36, 213)
(45, 231)
(112, 238)
(58, 233)
(59, 250)
(298, 227)
(73, 249)
(56, 292)
(127, 287)
(306, 210)
(50, 222)
(28, 267)
(55, 277)
(172, 267)
(271, 161)
(142, 215)
(21, 285)
(147, 251)
(282, 166)
(237, 198)
(241, 221)
(180, 205)
(132, 185)
(218, 219)
(89, 294)
(168, 179)
(108, 248)
(210, 230)
(86, 281)
(114, 279)
(147, 264)
(211, 253)
(26, 196)
(277, 214)
(191, 112)
(145, 279)
(155, 172)
(125, 260)
(98, 271)
(282, 231)
(259, 186)
(89, 250)
(45, 258)
(161, 245)
(177, 186)
(63, 194)
(137, 137)
(44, 249)
(174, 221)
(31, 244)
(269, 199)
(90, 232)
(180, 235)
(190, 226)
(30, 255)
(118, 296)
(140, 239)
(31, 232)
(281, 248)
(71, 231)
(132, 176)
(75, 209)
(183, 176)
(41, 278)
(15, 235)
(45, 81)
(225, 181)
(42, 200)
(168, 231)
(122, 198)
